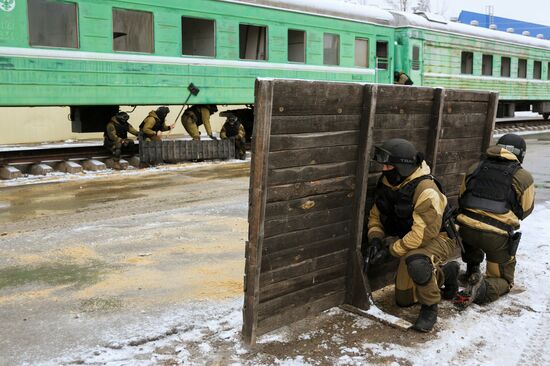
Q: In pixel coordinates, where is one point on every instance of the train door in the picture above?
(416, 58)
(383, 61)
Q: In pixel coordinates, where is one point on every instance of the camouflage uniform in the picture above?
(151, 125)
(424, 240)
(401, 78)
(195, 116)
(488, 233)
(232, 129)
(116, 135)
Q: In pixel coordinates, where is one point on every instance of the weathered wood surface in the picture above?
(313, 180)
(174, 151)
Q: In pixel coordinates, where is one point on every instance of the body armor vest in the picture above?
(396, 207)
(232, 129)
(489, 188)
(195, 114)
(122, 130)
(156, 127)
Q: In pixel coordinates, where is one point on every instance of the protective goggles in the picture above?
(383, 156)
(514, 150)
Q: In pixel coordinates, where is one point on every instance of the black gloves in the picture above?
(375, 253)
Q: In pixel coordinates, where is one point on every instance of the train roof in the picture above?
(328, 8)
(402, 19)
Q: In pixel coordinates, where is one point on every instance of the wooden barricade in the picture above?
(312, 183)
(173, 151)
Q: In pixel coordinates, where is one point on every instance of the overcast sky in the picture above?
(536, 11)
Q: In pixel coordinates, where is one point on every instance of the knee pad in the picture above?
(420, 268)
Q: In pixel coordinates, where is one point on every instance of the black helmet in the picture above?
(122, 117)
(162, 112)
(513, 143)
(400, 153)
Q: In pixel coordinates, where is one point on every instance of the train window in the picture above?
(331, 49)
(505, 67)
(537, 70)
(296, 45)
(416, 58)
(132, 31)
(467, 63)
(522, 68)
(198, 37)
(487, 65)
(382, 55)
(252, 42)
(361, 52)
(53, 23)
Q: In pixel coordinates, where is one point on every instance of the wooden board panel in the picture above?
(458, 107)
(461, 144)
(313, 140)
(311, 173)
(309, 220)
(420, 107)
(466, 96)
(402, 121)
(393, 94)
(320, 155)
(308, 204)
(311, 124)
(293, 191)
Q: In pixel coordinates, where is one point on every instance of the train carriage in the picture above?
(97, 55)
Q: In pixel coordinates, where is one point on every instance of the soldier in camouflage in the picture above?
(233, 129)
(154, 124)
(115, 137)
(198, 115)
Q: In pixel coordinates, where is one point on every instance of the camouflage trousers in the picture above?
(501, 266)
(439, 250)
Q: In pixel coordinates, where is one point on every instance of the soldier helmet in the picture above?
(400, 153)
(514, 144)
(122, 117)
(162, 112)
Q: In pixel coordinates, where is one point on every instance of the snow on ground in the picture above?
(514, 330)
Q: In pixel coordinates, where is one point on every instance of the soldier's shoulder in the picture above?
(523, 177)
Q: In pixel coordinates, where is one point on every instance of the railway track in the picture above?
(24, 159)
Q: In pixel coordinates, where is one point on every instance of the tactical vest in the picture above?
(232, 130)
(156, 127)
(396, 206)
(489, 188)
(122, 129)
(195, 114)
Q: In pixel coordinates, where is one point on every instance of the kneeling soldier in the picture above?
(496, 194)
(154, 124)
(115, 137)
(409, 205)
(234, 130)
(196, 115)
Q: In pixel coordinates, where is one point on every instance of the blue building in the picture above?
(503, 24)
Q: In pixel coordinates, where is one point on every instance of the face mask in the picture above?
(393, 177)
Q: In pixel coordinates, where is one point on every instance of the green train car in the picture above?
(94, 55)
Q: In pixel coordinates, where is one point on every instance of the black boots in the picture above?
(474, 292)
(426, 319)
(470, 270)
(450, 272)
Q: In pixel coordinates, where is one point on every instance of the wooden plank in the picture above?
(309, 220)
(472, 120)
(435, 129)
(291, 285)
(308, 204)
(284, 125)
(357, 290)
(301, 268)
(256, 213)
(466, 95)
(313, 140)
(416, 136)
(300, 297)
(330, 99)
(320, 155)
(461, 132)
(452, 156)
(304, 252)
(311, 173)
(458, 107)
(303, 189)
(294, 239)
(399, 121)
(490, 121)
(419, 107)
(395, 95)
(461, 144)
(300, 312)
(454, 167)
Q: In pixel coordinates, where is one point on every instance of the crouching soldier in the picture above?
(115, 137)
(154, 124)
(233, 129)
(496, 194)
(410, 206)
(197, 115)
